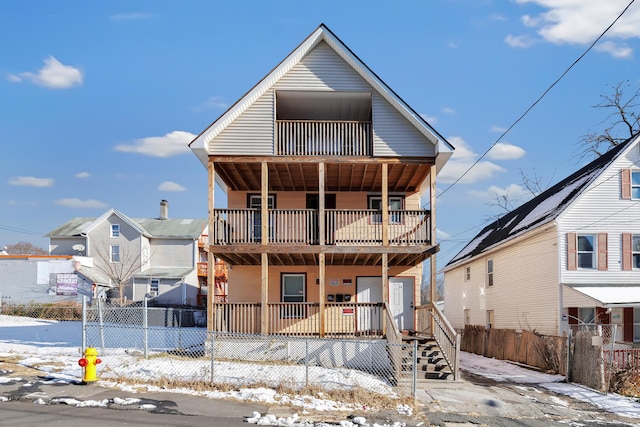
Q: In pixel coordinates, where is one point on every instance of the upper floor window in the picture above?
(396, 203)
(467, 273)
(586, 250)
(635, 184)
(115, 230)
(489, 272)
(115, 253)
(630, 251)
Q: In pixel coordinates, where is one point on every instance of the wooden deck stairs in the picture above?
(430, 363)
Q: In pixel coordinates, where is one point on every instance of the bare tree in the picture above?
(120, 270)
(623, 122)
(25, 248)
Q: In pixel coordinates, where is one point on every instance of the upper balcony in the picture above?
(323, 138)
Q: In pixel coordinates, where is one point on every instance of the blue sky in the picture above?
(98, 100)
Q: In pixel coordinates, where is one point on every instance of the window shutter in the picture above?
(627, 315)
(572, 252)
(625, 181)
(626, 252)
(602, 251)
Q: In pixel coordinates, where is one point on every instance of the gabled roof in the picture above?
(200, 144)
(149, 227)
(540, 210)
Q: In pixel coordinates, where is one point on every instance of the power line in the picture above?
(19, 230)
(537, 100)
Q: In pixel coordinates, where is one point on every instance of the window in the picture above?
(293, 291)
(467, 316)
(490, 272)
(115, 253)
(635, 184)
(396, 203)
(154, 284)
(586, 250)
(115, 230)
(467, 273)
(635, 248)
(587, 315)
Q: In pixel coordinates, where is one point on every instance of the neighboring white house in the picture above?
(570, 255)
(157, 256)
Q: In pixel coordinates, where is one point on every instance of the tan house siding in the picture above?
(519, 271)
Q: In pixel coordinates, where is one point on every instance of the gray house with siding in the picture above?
(155, 256)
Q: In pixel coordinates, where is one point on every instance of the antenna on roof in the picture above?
(79, 248)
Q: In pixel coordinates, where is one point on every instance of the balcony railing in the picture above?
(301, 227)
(203, 269)
(300, 319)
(323, 138)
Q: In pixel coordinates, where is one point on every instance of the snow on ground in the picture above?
(54, 347)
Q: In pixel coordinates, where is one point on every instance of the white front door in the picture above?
(369, 289)
(401, 290)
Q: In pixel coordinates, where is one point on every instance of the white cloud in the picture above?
(448, 110)
(463, 158)
(580, 22)
(54, 75)
(82, 175)
(171, 144)
(617, 50)
(212, 103)
(513, 192)
(505, 151)
(77, 203)
(170, 186)
(497, 129)
(522, 41)
(31, 181)
(130, 16)
(442, 235)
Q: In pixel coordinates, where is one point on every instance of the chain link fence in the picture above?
(172, 346)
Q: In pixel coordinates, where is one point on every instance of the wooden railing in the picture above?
(431, 322)
(300, 227)
(323, 138)
(301, 319)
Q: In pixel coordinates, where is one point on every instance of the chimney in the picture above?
(164, 209)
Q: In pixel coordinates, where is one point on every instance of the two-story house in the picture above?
(134, 257)
(327, 173)
(569, 256)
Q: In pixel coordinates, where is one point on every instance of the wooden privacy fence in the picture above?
(544, 352)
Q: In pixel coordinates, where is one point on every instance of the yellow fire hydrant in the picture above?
(89, 363)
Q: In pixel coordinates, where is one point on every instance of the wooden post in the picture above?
(385, 290)
(321, 257)
(211, 259)
(385, 204)
(432, 259)
(264, 292)
(322, 296)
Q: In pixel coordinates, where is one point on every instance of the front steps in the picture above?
(430, 364)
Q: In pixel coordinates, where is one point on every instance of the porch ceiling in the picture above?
(300, 175)
(338, 258)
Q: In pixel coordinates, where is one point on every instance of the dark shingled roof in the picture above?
(540, 210)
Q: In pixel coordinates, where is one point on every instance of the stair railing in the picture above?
(444, 334)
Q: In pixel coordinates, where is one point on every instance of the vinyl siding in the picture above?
(601, 209)
(322, 69)
(521, 271)
(172, 253)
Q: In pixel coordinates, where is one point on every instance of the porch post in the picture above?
(385, 291)
(385, 243)
(385, 204)
(432, 202)
(321, 292)
(264, 291)
(321, 256)
(211, 259)
(433, 268)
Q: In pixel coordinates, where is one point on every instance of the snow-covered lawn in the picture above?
(54, 347)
